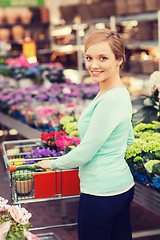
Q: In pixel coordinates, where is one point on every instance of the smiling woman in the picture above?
(105, 128)
(105, 54)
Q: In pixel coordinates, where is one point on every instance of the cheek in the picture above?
(87, 64)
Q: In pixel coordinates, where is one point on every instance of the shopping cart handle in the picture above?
(12, 168)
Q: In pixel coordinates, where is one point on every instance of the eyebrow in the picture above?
(102, 54)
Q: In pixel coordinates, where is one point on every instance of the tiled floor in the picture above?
(50, 213)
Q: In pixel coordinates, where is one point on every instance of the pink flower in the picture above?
(75, 140)
(70, 106)
(61, 115)
(20, 215)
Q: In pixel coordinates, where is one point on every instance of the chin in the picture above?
(97, 80)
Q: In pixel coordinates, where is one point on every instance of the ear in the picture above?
(120, 61)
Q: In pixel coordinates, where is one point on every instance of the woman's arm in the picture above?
(106, 116)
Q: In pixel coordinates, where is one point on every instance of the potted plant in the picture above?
(23, 181)
(14, 222)
(148, 107)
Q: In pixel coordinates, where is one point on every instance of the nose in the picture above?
(94, 64)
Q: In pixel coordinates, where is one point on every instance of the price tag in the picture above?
(29, 50)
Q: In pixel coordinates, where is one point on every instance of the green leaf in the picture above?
(145, 114)
(138, 103)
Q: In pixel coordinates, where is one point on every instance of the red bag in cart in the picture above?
(51, 184)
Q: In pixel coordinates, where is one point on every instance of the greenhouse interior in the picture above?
(45, 86)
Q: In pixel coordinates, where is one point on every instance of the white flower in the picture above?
(155, 81)
(3, 203)
(20, 215)
(147, 102)
(25, 214)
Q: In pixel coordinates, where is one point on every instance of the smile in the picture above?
(96, 73)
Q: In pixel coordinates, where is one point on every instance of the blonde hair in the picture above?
(114, 39)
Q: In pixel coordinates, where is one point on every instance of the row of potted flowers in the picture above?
(143, 156)
(40, 107)
(19, 68)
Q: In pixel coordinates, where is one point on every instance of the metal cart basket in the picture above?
(33, 185)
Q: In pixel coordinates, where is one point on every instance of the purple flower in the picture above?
(42, 152)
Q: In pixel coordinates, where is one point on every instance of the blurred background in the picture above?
(43, 77)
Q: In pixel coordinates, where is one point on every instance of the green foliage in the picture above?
(138, 159)
(145, 148)
(65, 120)
(22, 175)
(146, 128)
(135, 149)
(150, 164)
(151, 146)
(74, 133)
(70, 127)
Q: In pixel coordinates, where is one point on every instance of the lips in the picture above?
(96, 73)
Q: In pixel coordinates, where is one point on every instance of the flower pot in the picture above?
(23, 187)
(4, 34)
(44, 14)
(2, 15)
(25, 15)
(11, 15)
(18, 32)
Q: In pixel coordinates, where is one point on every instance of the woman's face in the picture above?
(101, 62)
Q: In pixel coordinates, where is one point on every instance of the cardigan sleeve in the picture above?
(130, 139)
(107, 114)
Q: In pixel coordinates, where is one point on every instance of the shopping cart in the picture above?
(29, 184)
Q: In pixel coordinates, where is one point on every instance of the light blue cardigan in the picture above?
(105, 130)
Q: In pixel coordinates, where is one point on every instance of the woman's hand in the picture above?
(43, 164)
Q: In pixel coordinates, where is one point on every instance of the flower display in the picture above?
(20, 215)
(14, 222)
(69, 125)
(143, 156)
(134, 150)
(155, 82)
(149, 105)
(40, 152)
(150, 164)
(58, 140)
(40, 107)
(146, 128)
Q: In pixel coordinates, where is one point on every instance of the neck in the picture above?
(109, 84)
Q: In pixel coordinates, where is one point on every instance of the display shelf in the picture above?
(112, 21)
(141, 44)
(37, 28)
(30, 25)
(135, 75)
(146, 16)
(23, 129)
(147, 198)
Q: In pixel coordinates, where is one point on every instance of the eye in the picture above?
(103, 58)
(88, 58)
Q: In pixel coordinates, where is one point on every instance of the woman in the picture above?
(106, 183)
